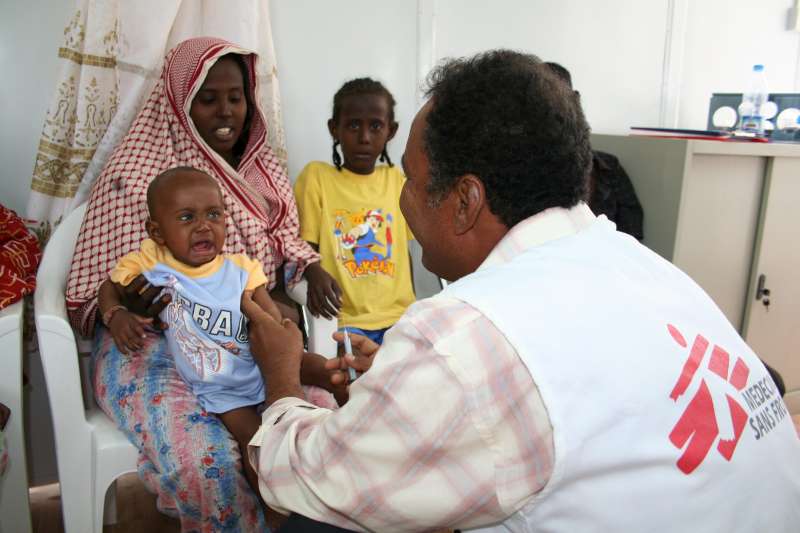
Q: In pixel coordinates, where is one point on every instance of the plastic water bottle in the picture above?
(752, 119)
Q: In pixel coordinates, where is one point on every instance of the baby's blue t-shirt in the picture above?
(207, 333)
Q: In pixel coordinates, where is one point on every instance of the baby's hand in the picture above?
(128, 331)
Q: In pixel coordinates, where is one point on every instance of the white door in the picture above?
(772, 322)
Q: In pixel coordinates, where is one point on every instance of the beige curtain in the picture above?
(110, 60)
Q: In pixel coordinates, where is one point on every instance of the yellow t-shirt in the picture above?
(151, 255)
(362, 237)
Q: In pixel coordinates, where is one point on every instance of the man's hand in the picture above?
(128, 331)
(364, 351)
(324, 294)
(277, 348)
(314, 372)
(145, 304)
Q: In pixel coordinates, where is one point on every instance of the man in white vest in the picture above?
(569, 379)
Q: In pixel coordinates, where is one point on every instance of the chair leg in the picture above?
(109, 509)
(77, 504)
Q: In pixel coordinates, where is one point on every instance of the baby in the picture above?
(207, 333)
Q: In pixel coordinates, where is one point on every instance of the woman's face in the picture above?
(220, 107)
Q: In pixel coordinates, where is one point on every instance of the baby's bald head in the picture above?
(160, 189)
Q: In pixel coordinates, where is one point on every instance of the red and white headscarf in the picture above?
(262, 213)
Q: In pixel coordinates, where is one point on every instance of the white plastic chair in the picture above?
(90, 450)
(14, 510)
(318, 329)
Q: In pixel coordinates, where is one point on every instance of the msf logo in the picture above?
(698, 424)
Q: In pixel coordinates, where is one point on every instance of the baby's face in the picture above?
(190, 220)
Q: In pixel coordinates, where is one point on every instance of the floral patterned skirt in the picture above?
(186, 456)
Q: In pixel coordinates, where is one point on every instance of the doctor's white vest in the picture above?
(663, 418)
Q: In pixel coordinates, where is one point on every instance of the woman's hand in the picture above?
(277, 348)
(364, 351)
(145, 304)
(324, 294)
(128, 331)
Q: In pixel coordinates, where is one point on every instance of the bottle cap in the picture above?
(758, 68)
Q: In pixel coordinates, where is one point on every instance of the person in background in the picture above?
(610, 191)
(349, 212)
(567, 379)
(200, 114)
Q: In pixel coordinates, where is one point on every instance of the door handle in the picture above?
(762, 292)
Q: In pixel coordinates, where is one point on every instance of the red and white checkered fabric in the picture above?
(262, 214)
(19, 258)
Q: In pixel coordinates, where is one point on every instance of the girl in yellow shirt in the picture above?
(350, 213)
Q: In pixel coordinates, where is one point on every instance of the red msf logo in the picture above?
(698, 423)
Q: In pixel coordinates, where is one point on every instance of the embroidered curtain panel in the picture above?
(110, 59)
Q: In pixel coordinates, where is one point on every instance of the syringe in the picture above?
(348, 350)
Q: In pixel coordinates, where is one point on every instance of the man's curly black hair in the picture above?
(506, 118)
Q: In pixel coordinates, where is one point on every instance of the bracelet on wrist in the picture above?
(109, 313)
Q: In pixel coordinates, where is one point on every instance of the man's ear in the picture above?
(332, 128)
(154, 231)
(470, 197)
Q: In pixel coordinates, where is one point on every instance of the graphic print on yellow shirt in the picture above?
(362, 237)
(364, 242)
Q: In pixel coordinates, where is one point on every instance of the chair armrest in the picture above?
(11, 318)
(298, 292)
(49, 306)
(320, 336)
(319, 329)
(57, 347)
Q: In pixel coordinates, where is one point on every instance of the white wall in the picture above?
(30, 73)
(723, 42)
(343, 40)
(635, 62)
(30, 33)
(613, 48)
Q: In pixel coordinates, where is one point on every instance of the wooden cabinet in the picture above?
(726, 213)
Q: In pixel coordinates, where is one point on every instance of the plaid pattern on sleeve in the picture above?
(447, 429)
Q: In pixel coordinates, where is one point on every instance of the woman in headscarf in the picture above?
(203, 114)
